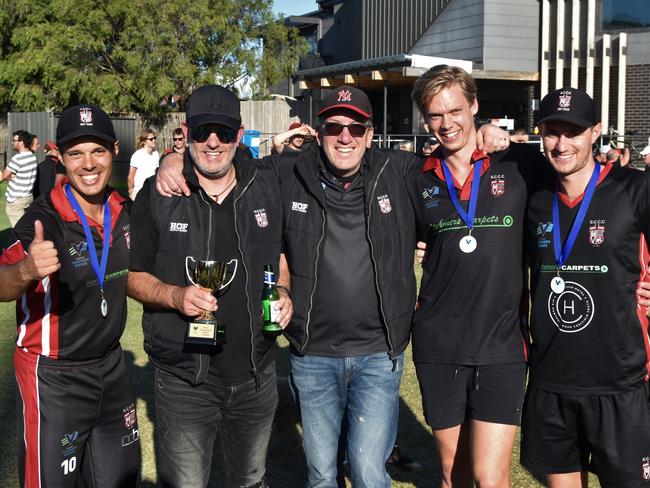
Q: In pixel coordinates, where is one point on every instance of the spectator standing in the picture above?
(144, 162)
(50, 171)
(21, 173)
(179, 140)
(645, 152)
(293, 139)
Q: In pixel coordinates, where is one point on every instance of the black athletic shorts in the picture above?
(451, 394)
(608, 435)
(76, 418)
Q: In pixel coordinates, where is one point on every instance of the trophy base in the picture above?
(205, 332)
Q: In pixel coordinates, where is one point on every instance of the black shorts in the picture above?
(76, 417)
(608, 435)
(491, 393)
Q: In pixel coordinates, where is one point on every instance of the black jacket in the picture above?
(390, 229)
(258, 218)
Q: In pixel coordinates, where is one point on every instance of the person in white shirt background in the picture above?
(144, 162)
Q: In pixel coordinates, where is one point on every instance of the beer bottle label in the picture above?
(270, 313)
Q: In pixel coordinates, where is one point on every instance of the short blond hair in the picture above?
(438, 78)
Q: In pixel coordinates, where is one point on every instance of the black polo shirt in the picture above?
(592, 338)
(469, 308)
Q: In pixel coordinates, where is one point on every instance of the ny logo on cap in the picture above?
(345, 96)
(565, 101)
(85, 116)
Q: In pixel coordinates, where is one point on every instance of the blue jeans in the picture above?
(366, 390)
(189, 417)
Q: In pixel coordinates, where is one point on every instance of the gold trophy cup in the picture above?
(206, 330)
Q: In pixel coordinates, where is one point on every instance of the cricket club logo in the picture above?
(498, 185)
(127, 238)
(345, 96)
(596, 232)
(130, 417)
(85, 116)
(564, 102)
(646, 468)
(384, 204)
(260, 216)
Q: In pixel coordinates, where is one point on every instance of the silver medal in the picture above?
(104, 307)
(557, 284)
(467, 244)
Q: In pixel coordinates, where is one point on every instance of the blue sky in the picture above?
(294, 7)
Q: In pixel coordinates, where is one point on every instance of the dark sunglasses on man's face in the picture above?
(334, 129)
(225, 134)
(152, 138)
(178, 139)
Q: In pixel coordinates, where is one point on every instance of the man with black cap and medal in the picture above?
(588, 401)
(67, 270)
(232, 212)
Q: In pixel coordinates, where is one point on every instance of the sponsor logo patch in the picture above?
(573, 309)
(68, 444)
(178, 226)
(299, 207)
(544, 230)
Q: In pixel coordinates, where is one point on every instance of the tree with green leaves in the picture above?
(134, 55)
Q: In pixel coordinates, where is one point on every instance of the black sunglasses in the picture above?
(334, 129)
(226, 135)
(151, 138)
(178, 138)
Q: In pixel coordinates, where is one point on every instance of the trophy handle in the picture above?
(232, 276)
(187, 271)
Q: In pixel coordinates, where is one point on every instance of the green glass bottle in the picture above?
(270, 297)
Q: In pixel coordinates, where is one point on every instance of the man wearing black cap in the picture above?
(67, 269)
(588, 401)
(232, 214)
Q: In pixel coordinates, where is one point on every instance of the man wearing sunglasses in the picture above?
(232, 212)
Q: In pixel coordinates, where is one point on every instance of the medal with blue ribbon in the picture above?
(98, 268)
(562, 252)
(467, 243)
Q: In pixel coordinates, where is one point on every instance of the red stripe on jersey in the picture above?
(13, 254)
(31, 310)
(54, 306)
(27, 378)
(604, 171)
(641, 313)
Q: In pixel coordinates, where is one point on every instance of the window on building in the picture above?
(625, 14)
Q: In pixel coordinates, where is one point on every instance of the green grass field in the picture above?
(286, 463)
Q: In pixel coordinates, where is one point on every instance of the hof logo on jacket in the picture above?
(498, 185)
(596, 232)
(384, 204)
(260, 217)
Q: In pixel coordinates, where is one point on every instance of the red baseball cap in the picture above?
(347, 97)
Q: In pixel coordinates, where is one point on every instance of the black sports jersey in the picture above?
(59, 316)
(469, 304)
(592, 338)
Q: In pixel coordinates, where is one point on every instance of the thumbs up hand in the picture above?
(42, 257)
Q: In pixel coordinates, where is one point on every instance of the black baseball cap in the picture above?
(84, 120)
(213, 104)
(569, 105)
(347, 97)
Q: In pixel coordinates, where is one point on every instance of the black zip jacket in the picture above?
(390, 230)
(184, 229)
